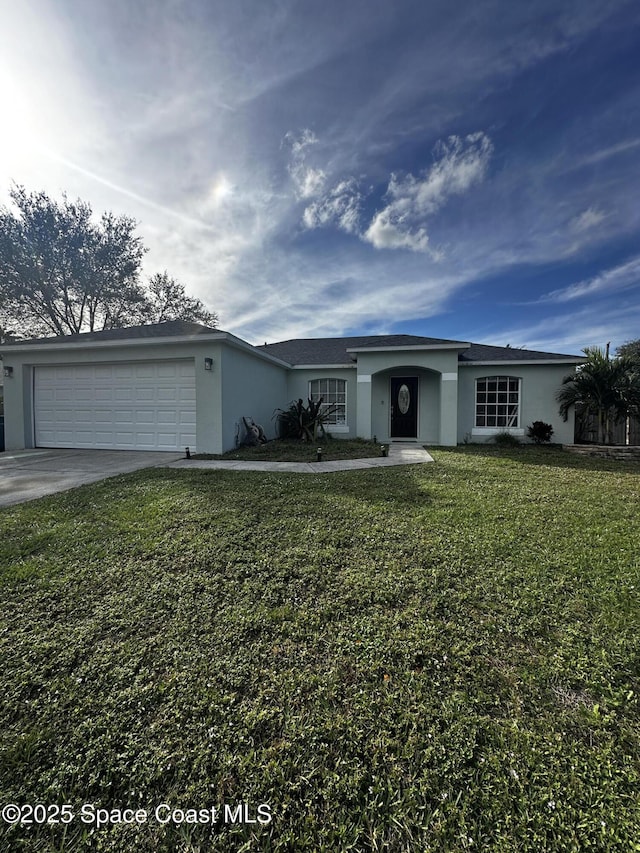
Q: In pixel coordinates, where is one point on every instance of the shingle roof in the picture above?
(483, 352)
(308, 350)
(172, 328)
(334, 350)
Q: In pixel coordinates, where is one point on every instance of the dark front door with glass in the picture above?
(404, 407)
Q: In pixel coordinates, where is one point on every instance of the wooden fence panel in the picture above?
(625, 432)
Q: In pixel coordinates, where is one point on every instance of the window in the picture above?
(498, 402)
(334, 395)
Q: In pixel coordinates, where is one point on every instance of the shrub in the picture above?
(540, 432)
(304, 422)
(506, 439)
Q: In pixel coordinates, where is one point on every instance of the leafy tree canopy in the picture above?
(630, 350)
(62, 272)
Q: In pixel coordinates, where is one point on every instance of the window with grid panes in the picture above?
(498, 401)
(334, 394)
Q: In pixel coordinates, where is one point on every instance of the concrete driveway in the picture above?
(29, 474)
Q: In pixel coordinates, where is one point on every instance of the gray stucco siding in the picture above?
(440, 361)
(538, 388)
(251, 387)
(437, 370)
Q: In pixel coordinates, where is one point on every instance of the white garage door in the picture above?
(126, 406)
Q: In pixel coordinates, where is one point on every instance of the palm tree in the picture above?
(608, 387)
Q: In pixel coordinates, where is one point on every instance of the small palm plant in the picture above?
(610, 388)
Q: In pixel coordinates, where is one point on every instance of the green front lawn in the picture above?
(439, 657)
(285, 450)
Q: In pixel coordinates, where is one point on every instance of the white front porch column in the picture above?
(364, 405)
(448, 409)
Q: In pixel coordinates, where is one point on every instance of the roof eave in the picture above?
(325, 366)
(506, 361)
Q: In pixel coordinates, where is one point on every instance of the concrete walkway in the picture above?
(399, 454)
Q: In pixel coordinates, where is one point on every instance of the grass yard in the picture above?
(283, 450)
(424, 658)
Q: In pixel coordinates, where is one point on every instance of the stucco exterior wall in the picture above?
(251, 387)
(539, 384)
(244, 383)
(437, 370)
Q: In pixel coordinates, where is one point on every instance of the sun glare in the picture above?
(19, 134)
(221, 189)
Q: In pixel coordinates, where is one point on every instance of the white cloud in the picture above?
(461, 163)
(340, 207)
(388, 231)
(309, 181)
(586, 220)
(616, 279)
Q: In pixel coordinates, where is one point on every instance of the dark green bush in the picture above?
(540, 432)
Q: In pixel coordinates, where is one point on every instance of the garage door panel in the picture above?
(103, 372)
(86, 406)
(144, 394)
(146, 371)
(61, 395)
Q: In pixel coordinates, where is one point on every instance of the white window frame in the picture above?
(514, 428)
(340, 426)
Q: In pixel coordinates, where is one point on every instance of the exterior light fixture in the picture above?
(8, 371)
(208, 364)
(319, 455)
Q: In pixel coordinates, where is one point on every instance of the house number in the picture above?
(404, 399)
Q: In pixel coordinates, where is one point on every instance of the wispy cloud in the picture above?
(570, 332)
(339, 207)
(607, 153)
(308, 181)
(401, 224)
(619, 278)
(460, 163)
(586, 220)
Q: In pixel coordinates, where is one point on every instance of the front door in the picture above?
(404, 407)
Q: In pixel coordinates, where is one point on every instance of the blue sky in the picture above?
(466, 170)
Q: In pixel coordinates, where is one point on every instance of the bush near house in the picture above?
(306, 423)
(540, 432)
